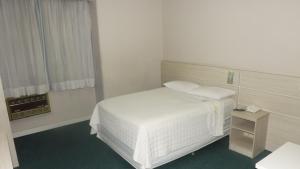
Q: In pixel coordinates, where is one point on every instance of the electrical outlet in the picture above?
(230, 77)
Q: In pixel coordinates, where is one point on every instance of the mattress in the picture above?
(147, 128)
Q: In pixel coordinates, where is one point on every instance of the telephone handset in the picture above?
(253, 109)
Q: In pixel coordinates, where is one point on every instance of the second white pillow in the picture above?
(212, 92)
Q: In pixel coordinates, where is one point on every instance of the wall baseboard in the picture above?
(49, 127)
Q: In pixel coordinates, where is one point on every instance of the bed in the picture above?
(151, 128)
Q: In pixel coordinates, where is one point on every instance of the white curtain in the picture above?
(21, 56)
(68, 44)
(45, 44)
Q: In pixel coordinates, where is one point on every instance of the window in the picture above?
(45, 45)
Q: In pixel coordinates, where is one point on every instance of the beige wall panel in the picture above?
(288, 106)
(282, 129)
(270, 83)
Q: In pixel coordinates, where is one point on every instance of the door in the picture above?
(5, 127)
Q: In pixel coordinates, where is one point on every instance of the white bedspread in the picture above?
(157, 122)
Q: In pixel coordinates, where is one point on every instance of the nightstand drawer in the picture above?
(243, 124)
(241, 142)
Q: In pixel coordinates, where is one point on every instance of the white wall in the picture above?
(260, 35)
(5, 127)
(130, 45)
(65, 107)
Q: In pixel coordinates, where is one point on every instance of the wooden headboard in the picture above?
(278, 94)
(201, 74)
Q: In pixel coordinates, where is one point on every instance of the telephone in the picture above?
(253, 109)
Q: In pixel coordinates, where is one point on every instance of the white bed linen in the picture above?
(153, 124)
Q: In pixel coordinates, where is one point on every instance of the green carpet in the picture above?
(72, 147)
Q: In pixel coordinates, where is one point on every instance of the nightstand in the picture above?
(248, 132)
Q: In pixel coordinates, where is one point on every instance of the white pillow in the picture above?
(182, 86)
(212, 92)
